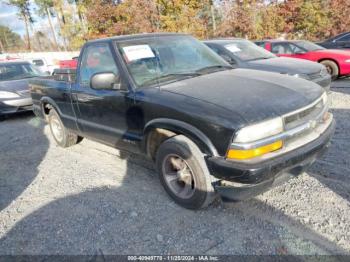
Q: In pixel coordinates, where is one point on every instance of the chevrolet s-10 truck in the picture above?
(210, 129)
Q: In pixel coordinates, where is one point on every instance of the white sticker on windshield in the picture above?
(136, 52)
(232, 48)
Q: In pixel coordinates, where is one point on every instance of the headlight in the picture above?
(5, 94)
(258, 131)
(347, 61)
(303, 76)
(253, 133)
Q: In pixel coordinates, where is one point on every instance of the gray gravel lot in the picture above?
(92, 199)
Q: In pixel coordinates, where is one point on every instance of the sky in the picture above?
(9, 17)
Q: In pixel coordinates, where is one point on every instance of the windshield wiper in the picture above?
(175, 76)
(31, 76)
(258, 58)
(213, 68)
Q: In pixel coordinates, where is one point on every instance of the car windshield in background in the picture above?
(15, 71)
(165, 59)
(309, 46)
(246, 50)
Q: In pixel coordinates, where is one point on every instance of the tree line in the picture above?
(81, 20)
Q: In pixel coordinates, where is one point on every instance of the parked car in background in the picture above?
(336, 61)
(43, 65)
(341, 41)
(241, 53)
(211, 129)
(14, 89)
(71, 63)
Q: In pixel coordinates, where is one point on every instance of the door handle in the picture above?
(85, 97)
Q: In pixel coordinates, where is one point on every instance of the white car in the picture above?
(43, 65)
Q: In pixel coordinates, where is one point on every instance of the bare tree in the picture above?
(24, 13)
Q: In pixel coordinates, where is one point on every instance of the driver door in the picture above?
(101, 113)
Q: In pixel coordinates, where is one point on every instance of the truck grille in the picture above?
(300, 117)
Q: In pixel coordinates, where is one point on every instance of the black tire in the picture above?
(332, 68)
(62, 136)
(198, 182)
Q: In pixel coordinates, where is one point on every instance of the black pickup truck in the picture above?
(211, 129)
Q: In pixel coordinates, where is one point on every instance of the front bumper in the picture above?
(239, 181)
(10, 106)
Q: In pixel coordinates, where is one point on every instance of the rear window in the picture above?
(261, 44)
(38, 62)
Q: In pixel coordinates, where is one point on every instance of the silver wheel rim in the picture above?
(178, 176)
(56, 128)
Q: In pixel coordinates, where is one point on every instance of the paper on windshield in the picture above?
(136, 52)
(232, 48)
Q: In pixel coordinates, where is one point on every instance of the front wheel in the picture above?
(62, 135)
(184, 173)
(332, 68)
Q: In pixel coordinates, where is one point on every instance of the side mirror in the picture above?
(229, 59)
(105, 81)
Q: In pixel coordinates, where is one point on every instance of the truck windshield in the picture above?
(15, 71)
(164, 59)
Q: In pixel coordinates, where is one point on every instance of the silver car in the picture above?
(14, 89)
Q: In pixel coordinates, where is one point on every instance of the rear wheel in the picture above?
(184, 173)
(332, 68)
(62, 135)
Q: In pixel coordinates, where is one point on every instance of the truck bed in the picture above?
(55, 87)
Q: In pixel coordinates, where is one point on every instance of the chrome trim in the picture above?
(305, 107)
(286, 134)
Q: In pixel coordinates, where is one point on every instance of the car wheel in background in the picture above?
(62, 135)
(332, 68)
(184, 173)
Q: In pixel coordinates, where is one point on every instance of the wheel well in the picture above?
(46, 107)
(155, 137)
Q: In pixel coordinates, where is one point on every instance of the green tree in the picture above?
(25, 14)
(188, 16)
(9, 40)
(108, 18)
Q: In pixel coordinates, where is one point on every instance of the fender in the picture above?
(50, 101)
(184, 128)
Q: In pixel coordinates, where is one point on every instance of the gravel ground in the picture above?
(92, 199)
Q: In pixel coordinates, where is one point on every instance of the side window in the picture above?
(261, 44)
(214, 48)
(345, 38)
(295, 49)
(278, 48)
(96, 59)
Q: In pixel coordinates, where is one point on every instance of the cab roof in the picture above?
(135, 37)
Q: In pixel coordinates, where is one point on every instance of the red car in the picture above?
(336, 61)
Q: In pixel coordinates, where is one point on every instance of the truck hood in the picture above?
(253, 95)
(285, 65)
